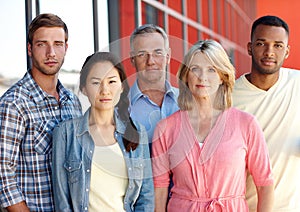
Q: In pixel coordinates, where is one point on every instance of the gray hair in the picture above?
(149, 28)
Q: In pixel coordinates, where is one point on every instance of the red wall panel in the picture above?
(289, 12)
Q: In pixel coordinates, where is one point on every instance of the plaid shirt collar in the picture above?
(39, 95)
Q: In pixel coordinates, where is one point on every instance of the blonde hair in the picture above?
(220, 61)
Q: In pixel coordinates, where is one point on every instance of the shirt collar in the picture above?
(120, 125)
(83, 124)
(135, 92)
(65, 94)
(39, 95)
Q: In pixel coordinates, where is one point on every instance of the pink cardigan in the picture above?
(211, 178)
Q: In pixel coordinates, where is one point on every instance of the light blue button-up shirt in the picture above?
(146, 112)
(73, 150)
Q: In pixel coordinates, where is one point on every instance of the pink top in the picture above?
(211, 178)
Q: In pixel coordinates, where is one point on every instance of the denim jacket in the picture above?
(73, 150)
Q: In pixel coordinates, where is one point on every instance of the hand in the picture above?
(19, 207)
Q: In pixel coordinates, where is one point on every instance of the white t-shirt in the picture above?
(278, 113)
(109, 179)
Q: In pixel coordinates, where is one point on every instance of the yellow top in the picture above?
(109, 179)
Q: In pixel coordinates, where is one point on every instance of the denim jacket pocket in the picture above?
(43, 136)
(138, 167)
(73, 170)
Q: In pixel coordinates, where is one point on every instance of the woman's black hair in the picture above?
(131, 136)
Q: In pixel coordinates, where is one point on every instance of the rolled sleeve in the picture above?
(12, 129)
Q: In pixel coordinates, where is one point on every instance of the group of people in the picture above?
(213, 144)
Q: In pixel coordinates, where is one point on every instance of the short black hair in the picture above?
(269, 20)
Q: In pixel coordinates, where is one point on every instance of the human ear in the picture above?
(83, 90)
(168, 56)
(287, 52)
(66, 47)
(249, 48)
(132, 58)
(121, 89)
(29, 49)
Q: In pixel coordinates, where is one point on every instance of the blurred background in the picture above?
(105, 25)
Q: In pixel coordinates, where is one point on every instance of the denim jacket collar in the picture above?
(83, 124)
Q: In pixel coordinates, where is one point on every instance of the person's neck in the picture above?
(263, 81)
(151, 86)
(101, 118)
(155, 91)
(47, 83)
(203, 118)
(102, 127)
(203, 108)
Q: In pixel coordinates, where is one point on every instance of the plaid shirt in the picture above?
(27, 118)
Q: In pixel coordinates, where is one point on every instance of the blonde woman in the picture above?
(209, 146)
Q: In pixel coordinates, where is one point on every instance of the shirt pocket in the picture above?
(43, 136)
(137, 169)
(73, 170)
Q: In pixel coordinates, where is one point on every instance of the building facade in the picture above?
(186, 21)
(106, 25)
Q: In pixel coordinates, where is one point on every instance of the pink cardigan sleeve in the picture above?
(258, 161)
(160, 158)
